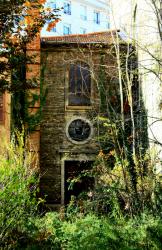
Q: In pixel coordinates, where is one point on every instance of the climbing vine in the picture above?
(33, 120)
(27, 104)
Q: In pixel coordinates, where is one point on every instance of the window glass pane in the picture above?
(53, 29)
(67, 29)
(67, 8)
(72, 79)
(97, 17)
(79, 85)
(79, 79)
(83, 12)
(82, 30)
(51, 5)
(108, 25)
(86, 79)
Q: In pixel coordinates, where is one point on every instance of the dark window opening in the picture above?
(79, 85)
(67, 8)
(67, 29)
(77, 170)
(97, 17)
(79, 130)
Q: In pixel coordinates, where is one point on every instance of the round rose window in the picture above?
(79, 130)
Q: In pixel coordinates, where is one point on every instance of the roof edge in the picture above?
(80, 35)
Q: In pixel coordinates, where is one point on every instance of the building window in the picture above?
(53, 5)
(82, 30)
(79, 130)
(67, 8)
(53, 29)
(1, 107)
(97, 17)
(76, 170)
(79, 85)
(83, 12)
(50, 29)
(67, 29)
(108, 25)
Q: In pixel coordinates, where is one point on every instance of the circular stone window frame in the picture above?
(85, 120)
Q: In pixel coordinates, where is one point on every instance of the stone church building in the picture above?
(66, 139)
(68, 136)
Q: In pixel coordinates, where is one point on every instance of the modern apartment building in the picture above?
(142, 21)
(79, 17)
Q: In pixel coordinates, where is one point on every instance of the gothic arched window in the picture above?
(79, 85)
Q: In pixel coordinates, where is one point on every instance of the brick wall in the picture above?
(5, 100)
(33, 71)
(5, 119)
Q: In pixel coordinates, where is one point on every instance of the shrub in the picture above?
(17, 192)
(91, 232)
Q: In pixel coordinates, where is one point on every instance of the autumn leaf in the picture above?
(52, 24)
(100, 154)
(14, 39)
(27, 4)
(28, 21)
(48, 9)
(42, 1)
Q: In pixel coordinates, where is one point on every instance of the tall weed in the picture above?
(18, 187)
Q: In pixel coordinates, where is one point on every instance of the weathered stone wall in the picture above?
(55, 147)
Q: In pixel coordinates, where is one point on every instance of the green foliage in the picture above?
(20, 22)
(123, 170)
(18, 186)
(78, 227)
(90, 232)
(113, 194)
(22, 101)
(33, 120)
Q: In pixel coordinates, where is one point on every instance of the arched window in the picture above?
(79, 85)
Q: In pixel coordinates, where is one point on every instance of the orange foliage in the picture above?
(32, 14)
(42, 1)
(28, 21)
(27, 4)
(52, 24)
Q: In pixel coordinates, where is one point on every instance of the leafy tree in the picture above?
(20, 22)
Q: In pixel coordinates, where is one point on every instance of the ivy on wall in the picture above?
(24, 102)
(33, 120)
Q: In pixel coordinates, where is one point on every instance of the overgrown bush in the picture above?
(91, 232)
(125, 183)
(18, 185)
(79, 226)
